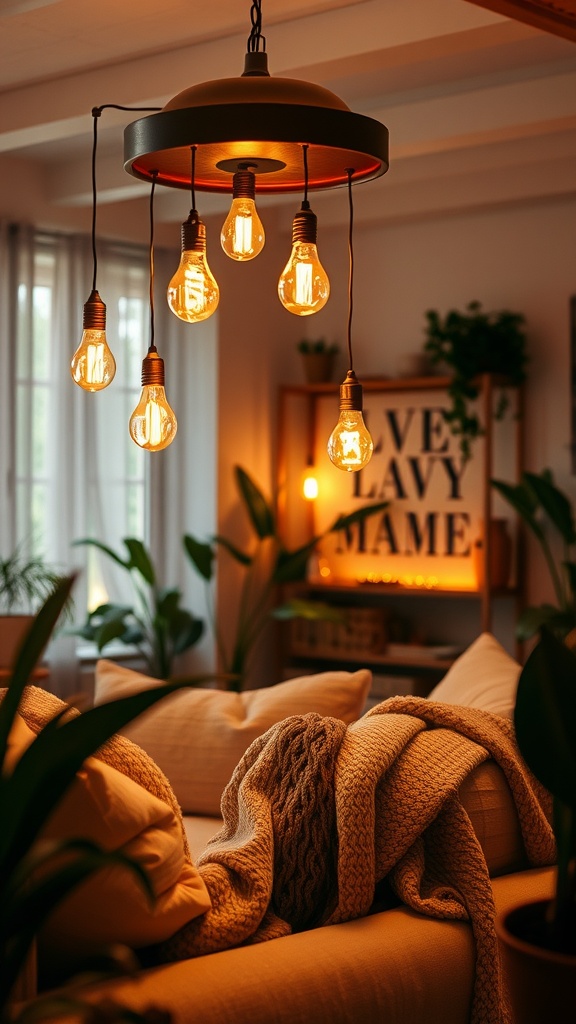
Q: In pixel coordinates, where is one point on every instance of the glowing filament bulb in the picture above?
(93, 366)
(153, 423)
(242, 236)
(350, 445)
(304, 287)
(193, 293)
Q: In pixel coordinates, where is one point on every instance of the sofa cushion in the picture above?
(485, 676)
(198, 736)
(114, 811)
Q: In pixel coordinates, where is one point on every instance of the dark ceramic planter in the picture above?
(541, 982)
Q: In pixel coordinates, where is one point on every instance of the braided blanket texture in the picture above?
(317, 813)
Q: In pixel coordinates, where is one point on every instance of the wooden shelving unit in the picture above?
(350, 593)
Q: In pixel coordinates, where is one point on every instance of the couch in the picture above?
(391, 963)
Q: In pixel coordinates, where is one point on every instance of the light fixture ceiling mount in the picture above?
(256, 118)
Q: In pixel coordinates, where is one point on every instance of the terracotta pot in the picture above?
(12, 630)
(318, 367)
(541, 982)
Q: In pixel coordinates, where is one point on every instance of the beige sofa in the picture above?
(393, 964)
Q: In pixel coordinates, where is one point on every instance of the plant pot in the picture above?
(541, 982)
(318, 367)
(12, 630)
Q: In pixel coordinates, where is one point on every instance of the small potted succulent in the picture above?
(318, 360)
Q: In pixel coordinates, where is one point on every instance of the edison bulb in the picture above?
(350, 445)
(242, 236)
(93, 366)
(153, 423)
(304, 287)
(193, 293)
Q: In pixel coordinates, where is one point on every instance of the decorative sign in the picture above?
(426, 537)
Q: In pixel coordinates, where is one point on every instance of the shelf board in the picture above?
(397, 590)
(403, 666)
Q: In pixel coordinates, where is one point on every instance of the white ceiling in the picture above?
(481, 109)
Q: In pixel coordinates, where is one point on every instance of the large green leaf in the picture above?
(554, 503)
(545, 716)
(291, 565)
(532, 619)
(259, 510)
(140, 560)
(89, 541)
(201, 556)
(523, 500)
(343, 522)
(237, 554)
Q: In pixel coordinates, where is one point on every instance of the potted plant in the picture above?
(468, 344)
(25, 582)
(543, 506)
(538, 940)
(156, 625)
(35, 877)
(268, 564)
(317, 360)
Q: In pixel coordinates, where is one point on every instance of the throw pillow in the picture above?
(111, 808)
(197, 737)
(484, 676)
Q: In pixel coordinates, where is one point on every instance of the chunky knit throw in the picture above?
(317, 813)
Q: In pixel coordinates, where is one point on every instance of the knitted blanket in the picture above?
(317, 813)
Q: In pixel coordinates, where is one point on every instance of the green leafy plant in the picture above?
(24, 582)
(34, 875)
(471, 343)
(268, 564)
(157, 625)
(543, 507)
(320, 346)
(545, 722)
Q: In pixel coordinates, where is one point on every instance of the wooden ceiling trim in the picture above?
(556, 16)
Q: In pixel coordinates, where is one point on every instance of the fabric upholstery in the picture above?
(116, 812)
(198, 736)
(484, 676)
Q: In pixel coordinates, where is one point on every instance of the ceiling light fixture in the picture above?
(246, 135)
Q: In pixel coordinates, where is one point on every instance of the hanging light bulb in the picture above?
(350, 445)
(242, 236)
(153, 423)
(93, 366)
(304, 287)
(193, 293)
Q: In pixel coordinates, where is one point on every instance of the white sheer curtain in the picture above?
(66, 459)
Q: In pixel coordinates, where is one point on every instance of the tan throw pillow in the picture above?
(108, 807)
(484, 676)
(197, 737)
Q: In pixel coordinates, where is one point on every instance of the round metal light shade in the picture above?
(252, 119)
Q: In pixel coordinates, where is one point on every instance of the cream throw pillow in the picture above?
(198, 736)
(116, 812)
(484, 676)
